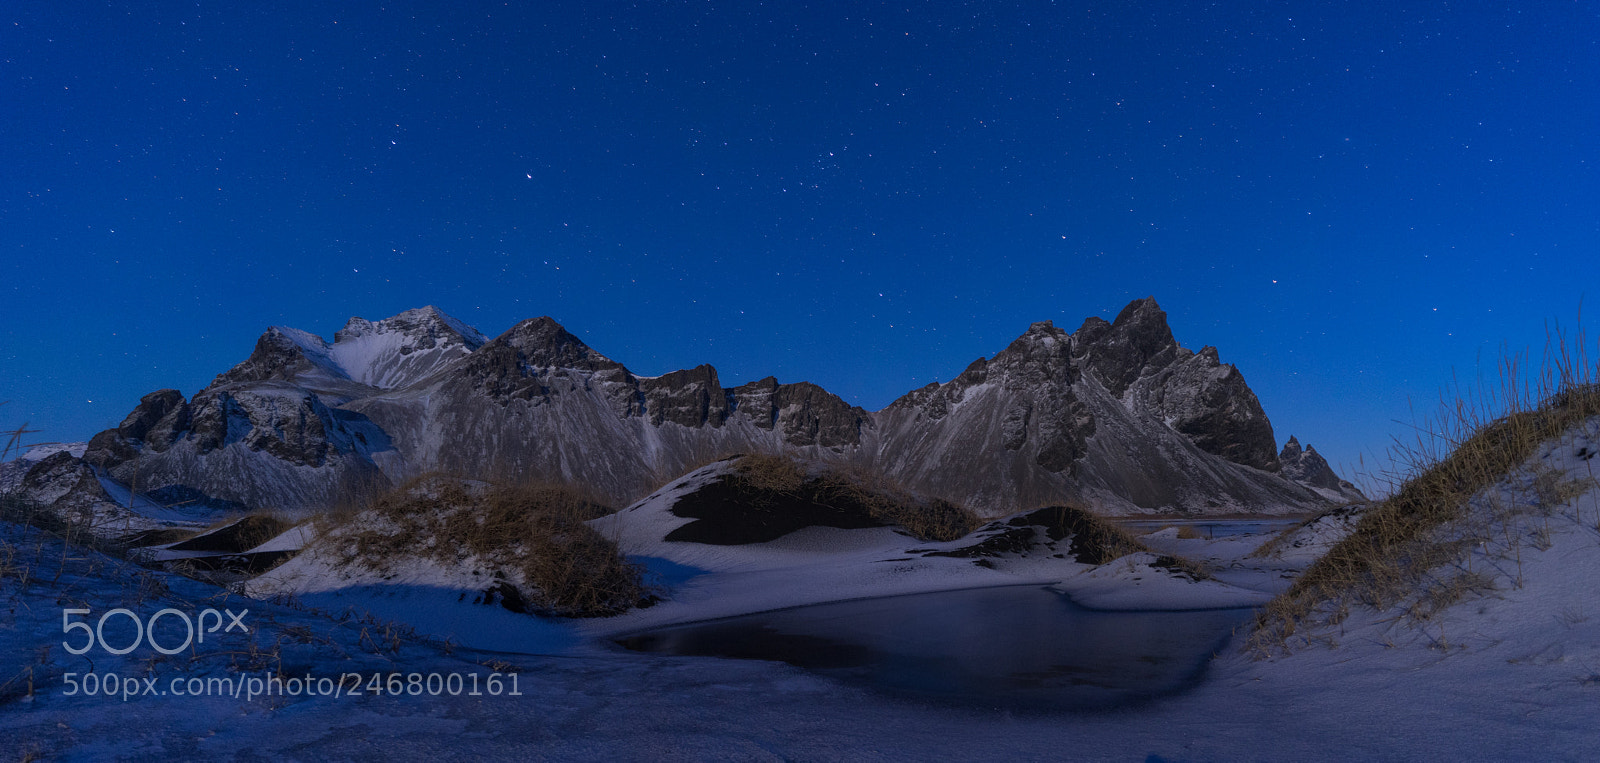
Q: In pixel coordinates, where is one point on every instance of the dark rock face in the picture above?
(68, 494)
(1210, 403)
(692, 398)
(1116, 415)
(1038, 370)
(533, 361)
(1138, 339)
(155, 423)
(239, 445)
(60, 477)
(803, 412)
(1064, 432)
(155, 410)
(292, 425)
(68, 489)
(543, 343)
(276, 357)
(1196, 393)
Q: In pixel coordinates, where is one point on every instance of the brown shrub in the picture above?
(855, 488)
(532, 536)
(769, 473)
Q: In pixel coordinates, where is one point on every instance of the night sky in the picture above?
(1351, 200)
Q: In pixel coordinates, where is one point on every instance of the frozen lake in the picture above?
(1021, 648)
(1211, 529)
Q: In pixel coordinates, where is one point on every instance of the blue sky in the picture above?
(1353, 201)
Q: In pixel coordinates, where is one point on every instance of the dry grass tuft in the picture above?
(1094, 539)
(532, 536)
(768, 473)
(236, 533)
(1475, 442)
(931, 519)
(850, 488)
(9, 566)
(1277, 543)
(1187, 532)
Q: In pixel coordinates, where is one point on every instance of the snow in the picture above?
(142, 506)
(388, 358)
(293, 539)
(1134, 583)
(1510, 674)
(313, 345)
(1314, 537)
(41, 452)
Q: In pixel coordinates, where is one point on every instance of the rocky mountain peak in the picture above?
(1093, 329)
(1042, 355)
(158, 420)
(1139, 339)
(402, 349)
(519, 363)
(387, 354)
(542, 342)
(804, 413)
(1308, 467)
(692, 397)
(428, 325)
(1116, 414)
(282, 353)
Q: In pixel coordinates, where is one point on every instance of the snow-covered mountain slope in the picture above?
(365, 356)
(1117, 415)
(398, 351)
(263, 444)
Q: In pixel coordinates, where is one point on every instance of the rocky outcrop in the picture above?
(155, 423)
(67, 490)
(1120, 352)
(1208, 401)
(59, 478)
(692, 398)
(1309, 468)
(259, 444)
(805, 414)
(1196, 393)
(1117, 415)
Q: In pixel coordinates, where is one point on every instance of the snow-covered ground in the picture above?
(703, 581)
(1511, 673)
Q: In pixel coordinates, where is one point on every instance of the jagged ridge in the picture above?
(1116, 415)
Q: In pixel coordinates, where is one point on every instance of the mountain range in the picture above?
(1117, 416)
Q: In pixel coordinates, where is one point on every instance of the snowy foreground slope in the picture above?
(1510, 672)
